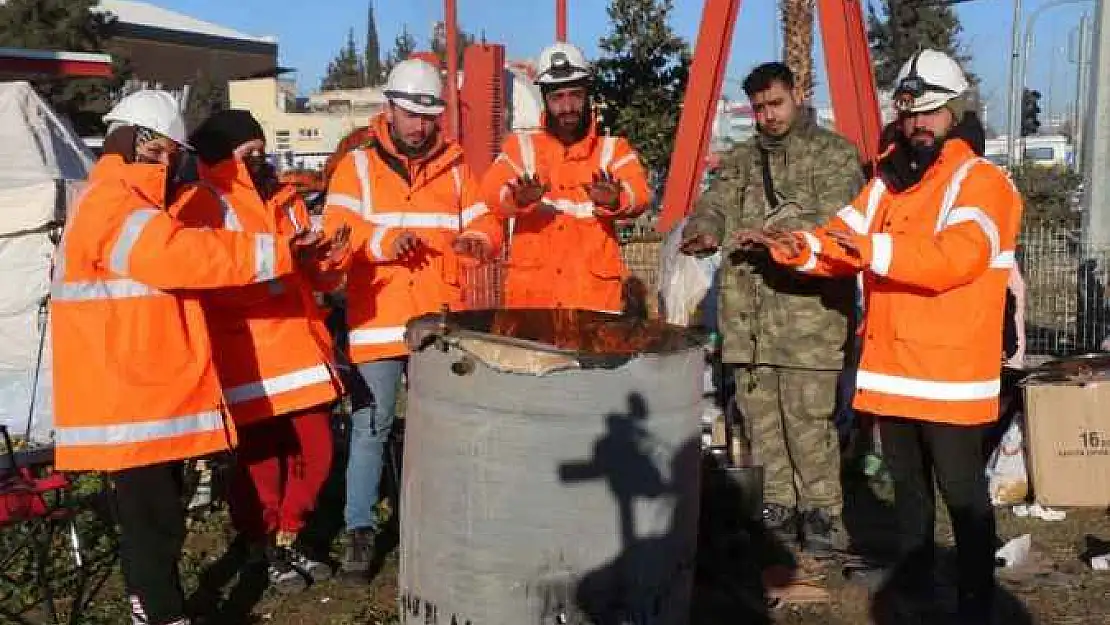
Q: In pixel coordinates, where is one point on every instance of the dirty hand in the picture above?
(472, 246)
(846, 240)
(699, 245)
(407, 243)
(605, 193)
(526, 191)
(307, 246)
(340, 245)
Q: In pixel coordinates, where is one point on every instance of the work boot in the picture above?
(781, 522)
(823, 534)
(308, 566)
(283, 576)
(358, 554)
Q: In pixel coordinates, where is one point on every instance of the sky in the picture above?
(310, 33)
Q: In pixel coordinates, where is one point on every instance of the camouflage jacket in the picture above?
(769, 314)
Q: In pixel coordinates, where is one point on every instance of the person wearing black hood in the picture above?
(274, 354)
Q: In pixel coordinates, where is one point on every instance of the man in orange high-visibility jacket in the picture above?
(415, 218)
(135, 391)
(933, 237)
(274, 355)
(562, 189)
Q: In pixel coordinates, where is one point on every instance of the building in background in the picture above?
(303, 132)
(170, 50)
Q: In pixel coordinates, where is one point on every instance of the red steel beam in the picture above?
(699, 106)
(452, 83)
(482, 105)
(560, 20)
(51, 63)
(850, 74)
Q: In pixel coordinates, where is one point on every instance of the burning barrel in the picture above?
(551, 469)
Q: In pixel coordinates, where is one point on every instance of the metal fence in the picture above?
(1065, 294)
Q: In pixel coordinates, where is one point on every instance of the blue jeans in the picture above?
(371, 424)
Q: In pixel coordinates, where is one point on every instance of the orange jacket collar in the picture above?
(441, 155)
(147, 181)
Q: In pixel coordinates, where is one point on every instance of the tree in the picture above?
(903, 28)
(403, 46)
(346, 70)
(797, 35)
(73, 26)
(641, 78)
(375, 71)
(206, 96)
(439, 43)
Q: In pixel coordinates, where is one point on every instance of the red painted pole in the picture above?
(560, 20)
(699, 106)
(451, 86)
(850, 74)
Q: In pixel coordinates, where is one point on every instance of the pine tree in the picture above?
(347, 70)
(439, 43)
(641, 78)
(902, 28)
(403, 46)
(375, 71)
(73, 26)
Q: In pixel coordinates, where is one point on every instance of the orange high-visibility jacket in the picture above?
(561, 255)
(134, 382)
(934, 260)
(380, 194)
(273, 351)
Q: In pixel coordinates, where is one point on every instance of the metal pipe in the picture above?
(1012, 104)
(452, 86)
(560, 20)
(1083, 59)
(1096, 196)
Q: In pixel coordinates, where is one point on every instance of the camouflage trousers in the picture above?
(788, 421)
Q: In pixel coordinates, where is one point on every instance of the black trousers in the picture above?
(918, 451)
(151, 516)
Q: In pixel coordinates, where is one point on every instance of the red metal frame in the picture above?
(703, 91)
(560, 20)
(452, 84)
(851, 87)
(482, 105)
(51, 63)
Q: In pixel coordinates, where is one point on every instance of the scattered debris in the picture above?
(1015, 552)
(1040, 512)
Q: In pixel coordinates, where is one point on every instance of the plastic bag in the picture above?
(684, 280)
(1006, 475)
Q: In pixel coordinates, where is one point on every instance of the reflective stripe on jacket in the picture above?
(134, 383)
(935, 260)
(380, 193)
(561, 255)
(274, 353)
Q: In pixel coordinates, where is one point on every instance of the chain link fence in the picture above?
(1066, 309)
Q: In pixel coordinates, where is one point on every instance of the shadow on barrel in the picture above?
(653, 576)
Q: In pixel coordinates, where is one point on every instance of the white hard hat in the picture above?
(561, 63)
(151, 109)
(928, 81)
(414, 85)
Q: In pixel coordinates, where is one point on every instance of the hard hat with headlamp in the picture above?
(560, 64)
(928, 81)
(414, 85)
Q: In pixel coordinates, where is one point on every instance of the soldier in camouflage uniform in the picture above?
(786, 334)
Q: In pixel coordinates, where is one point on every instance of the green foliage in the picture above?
(68, 25)
(1050, 195)
(902, 28)
(375, 70)
(641, 78)
(403, 46)
(439, 43)
(206, 96)
(346, 70)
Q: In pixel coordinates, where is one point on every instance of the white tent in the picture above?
(42, 166)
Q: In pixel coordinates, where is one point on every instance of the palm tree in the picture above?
(797, 35)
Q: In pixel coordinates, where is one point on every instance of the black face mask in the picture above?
(263, 175)
(182, 171)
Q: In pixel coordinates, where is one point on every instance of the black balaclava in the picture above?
(551, 124)
(215, 140)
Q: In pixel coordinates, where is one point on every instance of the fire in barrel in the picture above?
(551, 469)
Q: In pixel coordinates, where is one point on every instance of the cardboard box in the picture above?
(1068, 442)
